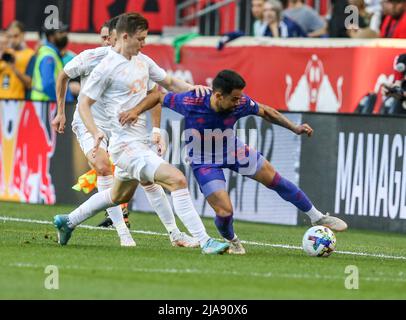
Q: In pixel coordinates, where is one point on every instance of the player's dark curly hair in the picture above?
(226, 81)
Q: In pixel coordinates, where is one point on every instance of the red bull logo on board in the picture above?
(26, 149)
(314, 91)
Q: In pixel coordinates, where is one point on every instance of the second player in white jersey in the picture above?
(81, 66)
(118, 84)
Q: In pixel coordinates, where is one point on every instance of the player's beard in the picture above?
(223, 110)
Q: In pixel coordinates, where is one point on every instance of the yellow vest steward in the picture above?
(37, 93)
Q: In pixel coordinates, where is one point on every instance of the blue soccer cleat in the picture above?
(215, 247)
(64, 231)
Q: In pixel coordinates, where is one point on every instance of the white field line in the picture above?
(397, 279)
(254, 243)
(5, 219)
(363, 254)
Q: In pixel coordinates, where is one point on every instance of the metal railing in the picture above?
(208, 15)
(205, 14)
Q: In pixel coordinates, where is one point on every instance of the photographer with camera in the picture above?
(395, 93)
(15, 59)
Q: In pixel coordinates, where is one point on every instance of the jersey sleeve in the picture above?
(247, 107)
(98, 81)
(156, 73)
(84, 63)
(175, 102)
(151, 85)
(75, 67)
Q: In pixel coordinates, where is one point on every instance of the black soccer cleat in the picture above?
(106, 223)
(126, 213)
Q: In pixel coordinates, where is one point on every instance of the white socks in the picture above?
(100, 201)
(89, 208)
(187, 213)
(160, 204)
(314, 214)
(97, 202)
(115, 213)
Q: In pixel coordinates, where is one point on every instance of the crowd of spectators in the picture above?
(345, 19)
(30, 73)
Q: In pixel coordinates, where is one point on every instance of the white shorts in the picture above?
(86, 140)
(136, 161)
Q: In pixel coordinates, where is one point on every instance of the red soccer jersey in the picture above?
(392, 28)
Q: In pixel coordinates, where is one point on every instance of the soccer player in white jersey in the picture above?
(81, 66)
(105, 34)
(119, 82)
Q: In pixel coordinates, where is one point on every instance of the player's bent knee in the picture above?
(103, 168)
(121, 198)
(179, 181)
(224, 211)
(175, 181)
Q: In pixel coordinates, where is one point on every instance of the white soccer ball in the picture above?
(319, 241)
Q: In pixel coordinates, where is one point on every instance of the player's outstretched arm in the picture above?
(58, 123)
(274, 116)
(157, 138)
(179, 86)
(156, 112)
(149, 102)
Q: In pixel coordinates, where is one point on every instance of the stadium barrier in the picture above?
(355, 166)
(319, 75)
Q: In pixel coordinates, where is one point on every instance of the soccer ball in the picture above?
(319, 241)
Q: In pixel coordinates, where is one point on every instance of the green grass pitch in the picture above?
(94, 266)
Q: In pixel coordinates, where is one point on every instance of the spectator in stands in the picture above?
(3, 43)
(48, 64)
(257, 9)
(366, 22)
(336, 22)
(307, 18)
(278, 26)
(16, 60)
(374, 7)
(394, 24)
(4, 53)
